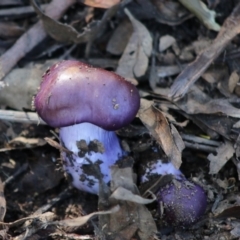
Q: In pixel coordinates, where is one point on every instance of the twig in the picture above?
(18, 12)
(20, 170)
(201, 147)
(199, 143)
(200, 140)
(194, 70)
(22, 117)
(31, 38)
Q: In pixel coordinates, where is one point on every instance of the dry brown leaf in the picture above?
(206, 16)
(132, 217)
(224, 153)
(198, 102)
(10, 30)
(167, 12)
(66, 33)
(227, 203)
(33, 180)
(100, 3)
(22, 83)
(2, 201)
(27, 142)
(31, 38)
(22, 143)
(233, 80)
(194, 70)
(165, 42)
(79, 221)
(134, 61)
(158, 126)
(177, 138)
(125, 195)
(44, 218)
(117, 43)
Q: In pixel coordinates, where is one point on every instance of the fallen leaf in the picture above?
(233, 81)
(66, 33)
(132, 218)
(23, 143)
(200, 10)
(158, 126)
(3, 206)
(22, 83)
(123, 194)
(135, 58)
(100, 3)
(165, 42)
(79, 221)
(117, 43)
(167, 12)
(224, 153)
(195, 69)
(43, 175)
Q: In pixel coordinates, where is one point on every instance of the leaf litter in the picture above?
(188, 79)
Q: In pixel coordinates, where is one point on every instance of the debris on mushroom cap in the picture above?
(183, 202)
(74, 92)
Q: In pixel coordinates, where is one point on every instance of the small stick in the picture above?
(32, 37)
(22, 169)
(22, 117)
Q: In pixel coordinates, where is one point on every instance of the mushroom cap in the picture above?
(73, 92)
(183, 202)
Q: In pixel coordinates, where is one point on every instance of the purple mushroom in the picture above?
(181, 202)
(87, 104)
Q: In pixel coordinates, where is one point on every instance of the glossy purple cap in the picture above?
(73, 92)
(183, 203)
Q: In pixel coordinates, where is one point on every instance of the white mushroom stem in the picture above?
(83, 175)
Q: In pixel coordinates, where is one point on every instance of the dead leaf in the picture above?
(200, 10)
(117, 43)
(22, 143)
(177, 138)
(100, 3)
(195, 69)
(42, 176)
(10, 29)
(79, 221)
(22, 83)
(132, 217)
(158, 126)
(31, 38)
(134, 61)
(43, 218)
(233, 80)
(167, 12)
(165, 42)
(198, 102)
(66, 33)
(3, 206)
(123, 194)
(225, 208)
(224, 153)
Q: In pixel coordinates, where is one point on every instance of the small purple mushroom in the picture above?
(87, 104)
(183, 202)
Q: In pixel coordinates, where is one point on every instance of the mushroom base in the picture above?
(89, 144)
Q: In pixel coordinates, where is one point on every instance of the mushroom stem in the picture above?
(89, 142)
(160, 168)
